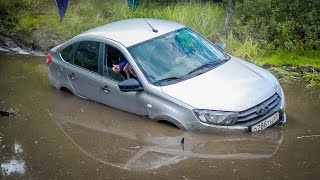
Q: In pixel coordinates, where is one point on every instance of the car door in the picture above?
(110, 93)
(84, 76)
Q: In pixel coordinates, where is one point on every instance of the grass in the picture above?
(247, 49)
(37, 24)
(313, 78)
(296, 58)
(83, 15)
(293, 64)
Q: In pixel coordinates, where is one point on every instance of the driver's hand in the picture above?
(116, 68)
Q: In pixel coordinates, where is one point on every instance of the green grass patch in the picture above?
(296, 58)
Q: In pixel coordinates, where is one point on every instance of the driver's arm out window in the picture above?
(113, 57)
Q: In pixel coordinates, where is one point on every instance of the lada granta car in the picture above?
(169, 73)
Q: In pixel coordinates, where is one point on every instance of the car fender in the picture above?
(169, 119)
(163, 107)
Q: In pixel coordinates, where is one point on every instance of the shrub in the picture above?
(285, 24)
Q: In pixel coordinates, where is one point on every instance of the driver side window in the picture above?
(114, 64)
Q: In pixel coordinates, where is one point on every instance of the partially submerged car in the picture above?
(132, 143)
(177, 77)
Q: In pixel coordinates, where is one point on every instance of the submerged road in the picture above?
(59, 136)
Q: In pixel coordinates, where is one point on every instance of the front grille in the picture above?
(250, 116)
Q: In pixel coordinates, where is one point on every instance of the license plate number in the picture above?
(266, 123)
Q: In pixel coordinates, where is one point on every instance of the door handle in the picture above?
(106, 89)
(72, 76)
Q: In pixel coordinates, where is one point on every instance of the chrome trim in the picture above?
(273, 103)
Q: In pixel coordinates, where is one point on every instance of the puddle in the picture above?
(60, 136)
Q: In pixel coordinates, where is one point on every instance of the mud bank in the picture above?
(7, 45)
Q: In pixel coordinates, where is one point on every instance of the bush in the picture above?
(285, 24)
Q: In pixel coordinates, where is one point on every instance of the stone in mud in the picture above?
(5, 112)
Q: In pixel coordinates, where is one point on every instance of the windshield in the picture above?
(176, 56)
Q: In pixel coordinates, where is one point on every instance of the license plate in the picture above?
(266, 123)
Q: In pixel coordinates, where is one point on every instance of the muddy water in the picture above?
(59, 136)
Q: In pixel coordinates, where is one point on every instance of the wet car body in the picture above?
(231, 96)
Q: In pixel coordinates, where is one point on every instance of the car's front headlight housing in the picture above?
(216, 117)
(281, 94)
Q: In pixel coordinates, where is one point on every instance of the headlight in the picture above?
(281, 94)
(216, 117)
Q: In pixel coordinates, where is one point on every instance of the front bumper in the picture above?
(237, 128)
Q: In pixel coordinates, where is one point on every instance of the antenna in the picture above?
(153, 29)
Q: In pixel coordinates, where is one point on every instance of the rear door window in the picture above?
(87, 55)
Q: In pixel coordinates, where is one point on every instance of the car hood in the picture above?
(234, 86)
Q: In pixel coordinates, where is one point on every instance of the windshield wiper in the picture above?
(168, 79)
(208, 64)
(227, 57)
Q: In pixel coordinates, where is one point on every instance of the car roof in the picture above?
(133, 31)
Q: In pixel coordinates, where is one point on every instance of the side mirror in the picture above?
(222, 46)
(130, 85)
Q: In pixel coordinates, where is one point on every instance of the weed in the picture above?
(313, 78)
(248, 49)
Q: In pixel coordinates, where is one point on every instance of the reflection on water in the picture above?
(16, 164)
(129, 142)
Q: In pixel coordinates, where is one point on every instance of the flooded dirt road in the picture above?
(59, 136)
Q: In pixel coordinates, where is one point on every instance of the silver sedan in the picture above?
(169, 73)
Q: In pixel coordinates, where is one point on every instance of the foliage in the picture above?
(313, 78)
(247, 49)
(285, 24)
(83, 15)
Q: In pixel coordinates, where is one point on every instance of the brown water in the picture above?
(59, 136)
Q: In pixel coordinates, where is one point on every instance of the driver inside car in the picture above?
(125, 69)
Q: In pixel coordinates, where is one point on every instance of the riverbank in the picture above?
(9, 46)
(34, 25)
